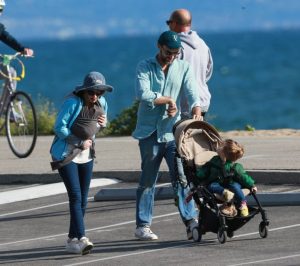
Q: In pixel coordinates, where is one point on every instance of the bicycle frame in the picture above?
(8, 80)
(17, 110)
(7, 91)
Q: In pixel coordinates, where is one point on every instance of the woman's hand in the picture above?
(102, 120)
(87, 144)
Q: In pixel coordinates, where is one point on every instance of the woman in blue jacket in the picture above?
(82, 114)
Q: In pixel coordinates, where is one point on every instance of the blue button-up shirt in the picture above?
(152, 83)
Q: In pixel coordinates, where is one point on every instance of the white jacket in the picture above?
(197, 53)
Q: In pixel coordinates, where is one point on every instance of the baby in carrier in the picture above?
(227, 178)
(84, 127)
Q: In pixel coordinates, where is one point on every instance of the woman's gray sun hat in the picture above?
(94, 81)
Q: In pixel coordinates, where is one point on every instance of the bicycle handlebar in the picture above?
(7, 58)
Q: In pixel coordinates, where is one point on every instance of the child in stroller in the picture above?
(197, 145)
(227, 178)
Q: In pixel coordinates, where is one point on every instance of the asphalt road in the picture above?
(33, 232)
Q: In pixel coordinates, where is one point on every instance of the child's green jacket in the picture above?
(216, 171)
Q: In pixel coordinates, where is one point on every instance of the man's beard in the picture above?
(165, 60)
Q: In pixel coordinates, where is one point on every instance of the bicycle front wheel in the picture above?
(2, 121)
(21, 124)
(3, 96)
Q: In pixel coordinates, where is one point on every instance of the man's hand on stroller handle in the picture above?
(196, 112)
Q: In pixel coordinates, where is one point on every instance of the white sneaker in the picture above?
(72, 246)
(189, 228)
(145, 233)
(85, 245)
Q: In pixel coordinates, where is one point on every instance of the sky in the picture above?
(65, 19)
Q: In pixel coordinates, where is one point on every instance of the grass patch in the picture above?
(46, 115)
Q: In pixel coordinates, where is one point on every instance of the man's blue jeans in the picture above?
(235, 187)
(77, 179)
(152, 154)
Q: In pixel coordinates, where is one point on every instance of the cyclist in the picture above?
(9, 40)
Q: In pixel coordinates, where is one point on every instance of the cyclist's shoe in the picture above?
(14, 116)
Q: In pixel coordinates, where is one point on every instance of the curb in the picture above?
(161, 193)
(261, 177)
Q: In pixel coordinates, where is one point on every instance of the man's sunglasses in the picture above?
(168, 22)
(170, 53)
(92, 93)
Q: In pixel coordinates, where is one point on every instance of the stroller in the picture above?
(197, 142)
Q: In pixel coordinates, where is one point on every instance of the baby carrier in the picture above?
(197, 142)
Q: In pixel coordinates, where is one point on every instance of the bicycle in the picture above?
(17, 112)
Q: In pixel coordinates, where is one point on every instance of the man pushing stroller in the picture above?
(227, 178)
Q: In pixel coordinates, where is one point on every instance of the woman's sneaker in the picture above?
(72, 246)
(244, 209)
(145, 233)
(85, 245)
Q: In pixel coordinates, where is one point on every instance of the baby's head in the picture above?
(232, 150)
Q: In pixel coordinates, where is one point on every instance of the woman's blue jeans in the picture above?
(152, 154)
(77, 179)
(235, 187)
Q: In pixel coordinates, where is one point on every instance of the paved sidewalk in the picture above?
(271, 160)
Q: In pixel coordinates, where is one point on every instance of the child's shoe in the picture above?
(228, 195)
(244, 209)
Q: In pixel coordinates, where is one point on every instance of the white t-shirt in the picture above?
(83, 157)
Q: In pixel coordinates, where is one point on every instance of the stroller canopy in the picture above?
(196, 141)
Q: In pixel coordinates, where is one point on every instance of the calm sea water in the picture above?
(255, 80)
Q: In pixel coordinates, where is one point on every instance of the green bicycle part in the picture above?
(6, 61)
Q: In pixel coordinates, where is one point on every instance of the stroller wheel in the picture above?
(230, 234)
(263, 230)
(196, 234)
(222, 237)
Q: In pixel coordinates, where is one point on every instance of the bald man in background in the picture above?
(197, 53)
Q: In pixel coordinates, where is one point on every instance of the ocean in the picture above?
(255, 80)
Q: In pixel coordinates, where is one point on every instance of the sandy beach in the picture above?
(286, 132)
